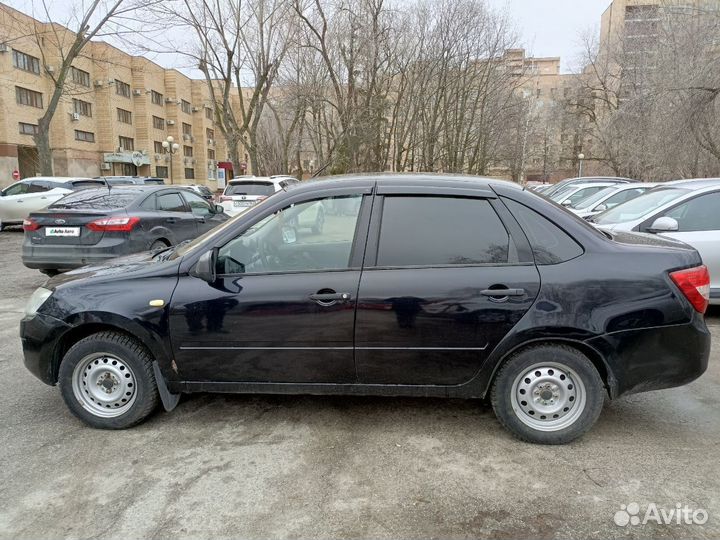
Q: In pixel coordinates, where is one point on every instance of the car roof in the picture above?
(694, 183)
(598, 178)
(58, 179)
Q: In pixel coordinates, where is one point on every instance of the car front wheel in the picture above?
(107, 381)
(548, 394)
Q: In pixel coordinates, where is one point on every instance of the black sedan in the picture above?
(428, 286)
(95, 225)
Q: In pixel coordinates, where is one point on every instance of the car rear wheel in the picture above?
(548, 394)
(158, 244)
(50, 272)
(107, 381)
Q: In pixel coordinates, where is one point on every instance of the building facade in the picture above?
(113, 117)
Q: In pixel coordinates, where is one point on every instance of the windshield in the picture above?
(581, 194)
(586, 203)
(97, 198)
(250, 188)
(640, 206)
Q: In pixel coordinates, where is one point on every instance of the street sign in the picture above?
(16, 174)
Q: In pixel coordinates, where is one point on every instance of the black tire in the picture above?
(138, 360)
(551, 363)
(50, 272)
(159, 244)
(317, 228)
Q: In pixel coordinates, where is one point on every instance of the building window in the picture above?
(23, 96)
(189, 174)
(124, 116)
(158, 123)
(186, 106)
(83, 108)
(209, 113)
(86, 136)
(161, 172)
(80, 77)
(158, 147)
(26, 62)
(127, 143)
(211, 153)
(122, 89)
(157, 97)
(187, 129)
(27, 129)
(188, 151)
(210, 134)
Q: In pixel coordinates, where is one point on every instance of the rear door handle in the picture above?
(329, 299)
(502, 293)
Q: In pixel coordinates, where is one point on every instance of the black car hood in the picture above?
(143, 264)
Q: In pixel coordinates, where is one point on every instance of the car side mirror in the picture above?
(205, 267)
(664, 224)
(566, 202)
(600, 208)
(217, 209)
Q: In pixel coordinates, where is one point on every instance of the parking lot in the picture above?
(328, 467)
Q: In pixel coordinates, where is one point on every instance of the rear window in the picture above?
(431, 231)
(550, 244)
(250, 188)
(154, 181)
(85, 184)
(97, 198)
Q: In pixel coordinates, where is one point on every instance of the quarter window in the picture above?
(550, 244)
(307, 236)
(170, 202)
(435, 231)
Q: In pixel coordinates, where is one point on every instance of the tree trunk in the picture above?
(42, 142)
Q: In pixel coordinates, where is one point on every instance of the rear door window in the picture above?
(198, 205)
(550, 244)
(438, 231)
(170, 202)
(263, 189)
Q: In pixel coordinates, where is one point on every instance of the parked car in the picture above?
(584, 180)
(610, 197)
(434, 286)
(30, 194)
(576, 193)
(245, 192)
(95, 225)
(133, 180)
(203, 191)
(686, 210)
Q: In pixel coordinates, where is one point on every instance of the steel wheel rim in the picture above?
(104, 385)
(548, 396)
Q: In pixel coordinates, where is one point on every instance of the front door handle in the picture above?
(200, 220)
(330, 298)
(171, 220)
(502, 293)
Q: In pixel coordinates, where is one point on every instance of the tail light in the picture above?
(695, 285)
(114, 224)
(30, 224)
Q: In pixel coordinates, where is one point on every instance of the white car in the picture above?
(246, 191)
(32, 194)
(575, 193)
(610, 197)
(687, 210)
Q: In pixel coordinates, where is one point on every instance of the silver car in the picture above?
(687, 210)
(610, 197)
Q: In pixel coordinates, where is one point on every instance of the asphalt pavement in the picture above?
(226, 466)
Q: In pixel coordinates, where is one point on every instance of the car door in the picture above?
(205, 216)
(176, 215)
(444, 282)
(699, 226)
(282, 307)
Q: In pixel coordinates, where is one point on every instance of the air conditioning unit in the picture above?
(157, 157)
(186, 136)
(98, 83)
(119, 150)
(3, 47)
(75, 116)
(169, 100)
(170, 122)
(137, 92)
(50, 69)
(105, 167)
(211, 142)
(111, 81)
(196, 109)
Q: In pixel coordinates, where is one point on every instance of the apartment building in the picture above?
(113, 117)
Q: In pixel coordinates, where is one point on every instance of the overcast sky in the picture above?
(545, 27)
(553, 27)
